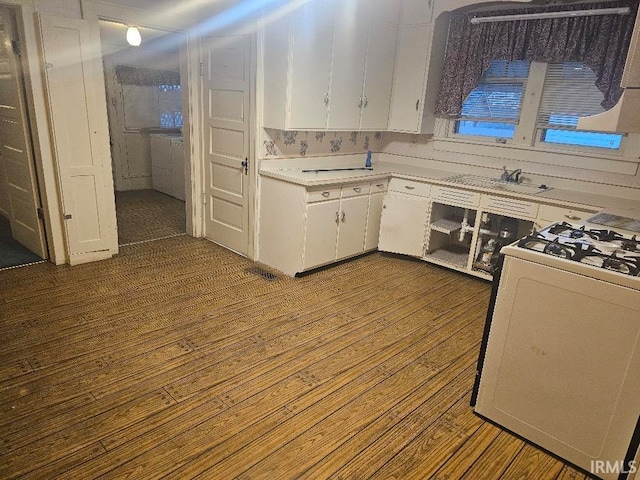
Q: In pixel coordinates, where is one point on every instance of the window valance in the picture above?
(600, 42)
(128, 75)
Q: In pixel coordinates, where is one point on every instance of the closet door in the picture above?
(78, 117)
(18, 177)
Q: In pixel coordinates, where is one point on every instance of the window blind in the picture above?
(569, 92)
(498, 96)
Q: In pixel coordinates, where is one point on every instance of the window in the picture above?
(152, 106)
(493, 107)
(569, 93)
(169, 104)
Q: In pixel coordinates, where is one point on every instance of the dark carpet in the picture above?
(12, 253)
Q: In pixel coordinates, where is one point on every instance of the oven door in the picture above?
(562, 363)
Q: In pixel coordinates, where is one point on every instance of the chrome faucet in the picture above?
(513, 177)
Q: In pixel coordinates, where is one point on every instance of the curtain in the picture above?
(600, 42)
(145, 76)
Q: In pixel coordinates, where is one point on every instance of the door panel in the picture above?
(321, 233)
(353, 225)
(347, 71)
(19, 199)
(378, 79)
(373, 221)
(78, 116)
(311, 64)
(226, 84)
(403, 224)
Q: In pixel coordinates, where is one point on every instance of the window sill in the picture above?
(626, 165)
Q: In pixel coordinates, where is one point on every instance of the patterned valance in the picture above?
(600, 42)
(128, 75)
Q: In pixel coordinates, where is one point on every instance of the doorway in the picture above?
(144, 106)
(22, 235)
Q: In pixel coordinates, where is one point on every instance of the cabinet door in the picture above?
(321, 233)
(310, 65)
(347, 71)
(161, 152)
(353, 226)
(403, 224)
(378, 79)
(408, 78)
(373, 221)
(416, 12)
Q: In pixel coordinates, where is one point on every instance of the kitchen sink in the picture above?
(493, 184)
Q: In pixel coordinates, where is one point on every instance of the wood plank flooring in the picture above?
(145, 215)
(172, 361)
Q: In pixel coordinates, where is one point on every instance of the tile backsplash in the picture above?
(291, 144)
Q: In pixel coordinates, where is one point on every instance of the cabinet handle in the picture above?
(366, 101)
(357, 189)
(325, 194)
(572, 217)
(417, 104)
(360, 102)
(343, 216)
(380, 185)
(337, 218)
(326, 98)
(409, 187)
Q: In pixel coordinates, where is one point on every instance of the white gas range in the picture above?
(560, 360)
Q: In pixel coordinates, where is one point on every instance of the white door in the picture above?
(311, 65)
(403, 224)
(226, 84)
(78, 116)
(347, 71)
(408, 78)
(373, 220)
(353, 226)
(18, 178)
(378, 78)
(321, 233)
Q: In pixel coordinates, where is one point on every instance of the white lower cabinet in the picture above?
(352, 226)
(301, 229)
(376, 200)
(321, 233)
(403, 225)
(167, 165)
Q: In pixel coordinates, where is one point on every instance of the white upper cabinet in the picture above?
(378, 79)
(349, 55)
(416, 12)
(310, 68)
(418, 67)
(408, 78)
(330, 66)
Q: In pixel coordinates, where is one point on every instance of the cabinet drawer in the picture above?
(451, 196)
(320, 194)
(355, 190)
(380, 186)
(410, 187)
(509, 206)
(551, 213)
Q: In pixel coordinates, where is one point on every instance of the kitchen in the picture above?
(410, 155)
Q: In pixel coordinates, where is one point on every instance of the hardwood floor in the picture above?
(171, 360)
(145, 215)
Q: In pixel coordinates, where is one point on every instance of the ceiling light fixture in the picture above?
(133, 36)
(539, 16)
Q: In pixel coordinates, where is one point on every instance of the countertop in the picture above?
(382, 170)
